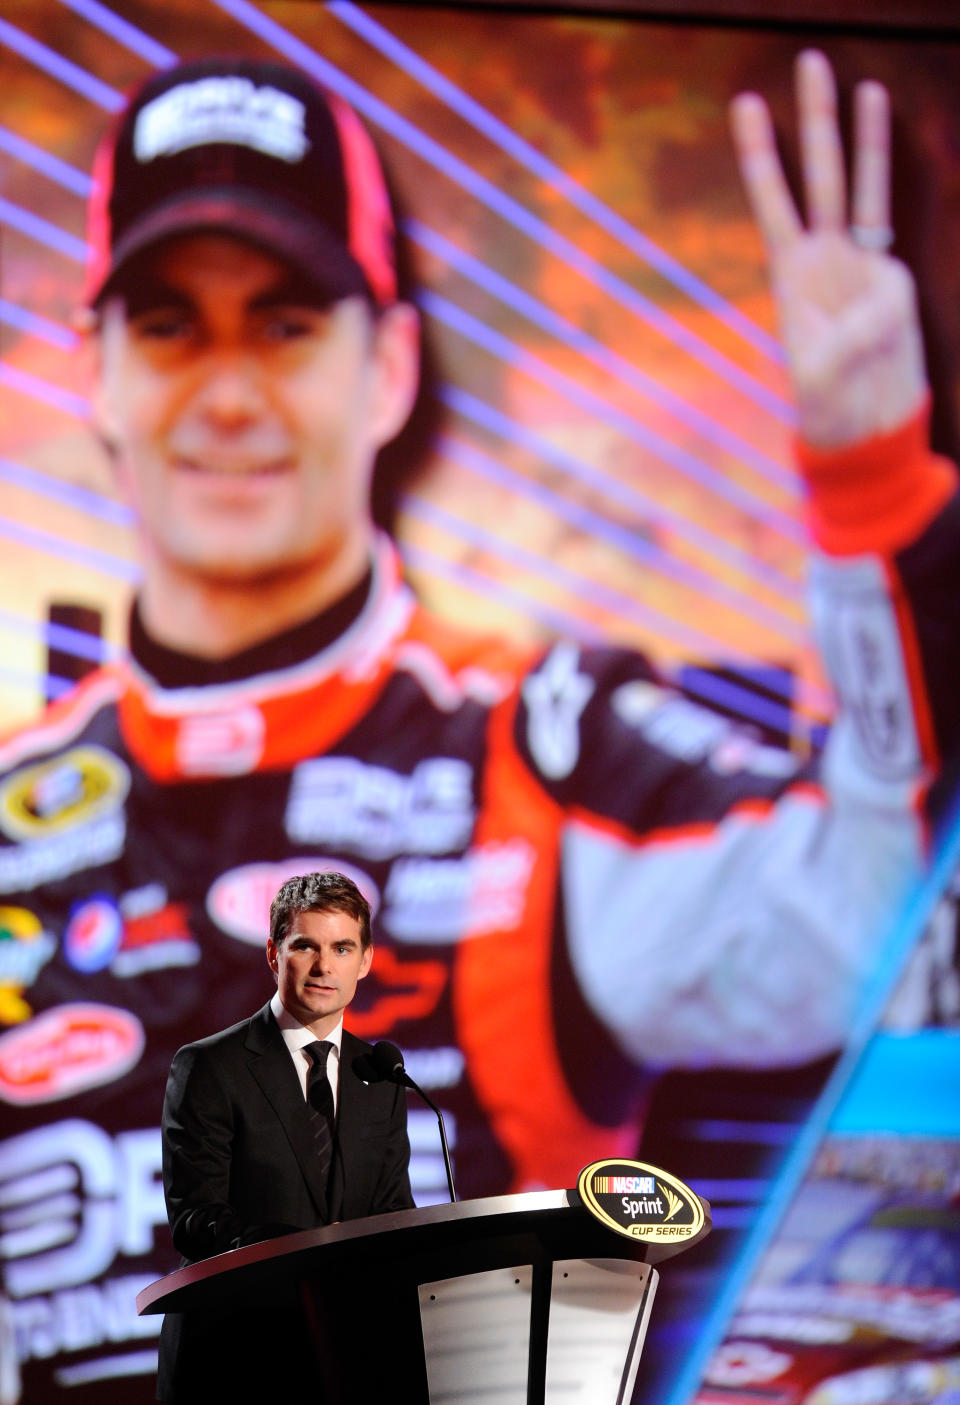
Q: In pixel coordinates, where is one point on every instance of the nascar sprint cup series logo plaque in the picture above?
(641, 1201)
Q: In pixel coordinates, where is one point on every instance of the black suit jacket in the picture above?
(239, 1162)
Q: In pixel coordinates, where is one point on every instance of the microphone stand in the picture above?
(386, 1061)
(448, 1165)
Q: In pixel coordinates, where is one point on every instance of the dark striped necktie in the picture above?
(320, 1104)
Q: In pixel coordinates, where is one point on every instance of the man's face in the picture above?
(317, 966)
(245, 420)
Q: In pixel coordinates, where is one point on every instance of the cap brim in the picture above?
(306, 245)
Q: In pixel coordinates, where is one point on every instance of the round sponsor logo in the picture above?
(19, 924)
(642, 1202)
(25, 948)
(69, 790)
(93, 934)
(239, 900)
(68, 1049)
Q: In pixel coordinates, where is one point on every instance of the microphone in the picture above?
(387, 1062)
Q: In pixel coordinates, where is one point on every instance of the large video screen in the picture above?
(574, 736)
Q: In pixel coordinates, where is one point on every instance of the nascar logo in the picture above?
(624, 1185)
(643, 1202)
(71, 790)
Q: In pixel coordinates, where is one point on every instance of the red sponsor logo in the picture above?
(167, 924)
(228, 743)
(395, 990)
(239, 900)
(66, 1050)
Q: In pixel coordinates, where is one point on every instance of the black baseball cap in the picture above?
(253, 149)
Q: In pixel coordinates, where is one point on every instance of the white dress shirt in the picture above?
(297, 1036)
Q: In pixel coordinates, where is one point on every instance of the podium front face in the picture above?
(508, 1337)
(518, 1300)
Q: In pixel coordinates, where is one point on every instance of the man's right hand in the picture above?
(847, 310)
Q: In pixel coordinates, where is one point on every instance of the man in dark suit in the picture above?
(269, 1127)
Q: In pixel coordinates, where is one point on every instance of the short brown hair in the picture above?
(318, 892)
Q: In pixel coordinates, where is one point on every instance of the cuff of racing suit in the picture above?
(878, 495)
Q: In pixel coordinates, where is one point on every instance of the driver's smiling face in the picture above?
(245, 417)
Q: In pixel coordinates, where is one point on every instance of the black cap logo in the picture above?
(641, 1201)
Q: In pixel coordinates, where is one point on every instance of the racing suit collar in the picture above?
(290, 707)
(172, 669)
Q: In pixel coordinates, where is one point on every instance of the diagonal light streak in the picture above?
(623, 539)
(702, 472)
(76, 405)
(161, 56)
(61, 636)
(48, 684)
(746, 703)
(70, 177)
(599, 355)
(52, 236)
(580, 586)
(560, 622)
(633, 499)
(483, 190)
(44, 391)
(509, 141)
(43, 231)
(607, 597)
(118, 514)
(695, 641)
(123, 31)
(459, 401)
(474, 459)
(56, 66)
(47, 233)
(53, 333)
(78, 555)
(69, 494)
(692, 467)
(247, 14)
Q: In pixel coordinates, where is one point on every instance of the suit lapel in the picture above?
(272, 1067)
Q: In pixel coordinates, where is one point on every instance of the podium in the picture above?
(520, 1300)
